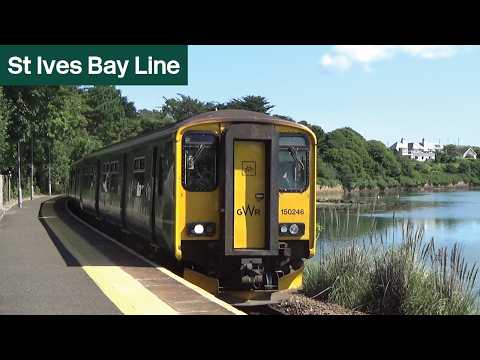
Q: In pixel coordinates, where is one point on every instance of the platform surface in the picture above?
(51, 262)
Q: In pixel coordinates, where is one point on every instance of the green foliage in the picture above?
(251, 103)
(3, 126)
(149, 120)
(326, 173)
(106, 114)
(184, 107)
(345, 157)
(451, 153)
(64, 123)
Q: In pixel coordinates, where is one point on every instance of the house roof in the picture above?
(471, 151)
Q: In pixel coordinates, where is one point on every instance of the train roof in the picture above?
(211, 116)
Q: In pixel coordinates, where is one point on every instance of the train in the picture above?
(229, 195)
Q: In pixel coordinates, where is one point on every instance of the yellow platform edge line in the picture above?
(202, 292)
(128, 295)
(181, 280)
(125, 292)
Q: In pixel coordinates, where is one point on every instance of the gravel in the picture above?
(302, 305)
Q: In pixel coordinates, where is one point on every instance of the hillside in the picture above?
(346, 158)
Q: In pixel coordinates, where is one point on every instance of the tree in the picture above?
(251, 103)
(3, 129)
(317, 130)
(149, 120)
(384, 157)
(108, 114)
(183, 107)
(449, 153)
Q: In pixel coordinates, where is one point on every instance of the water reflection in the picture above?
(448, 217)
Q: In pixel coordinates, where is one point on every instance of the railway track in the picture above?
(267, 309)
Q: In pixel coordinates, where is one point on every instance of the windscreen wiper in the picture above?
(293, 152)
(192, 159)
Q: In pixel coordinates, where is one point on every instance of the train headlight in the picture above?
(198, 229)
(292, 229)
(201, 229)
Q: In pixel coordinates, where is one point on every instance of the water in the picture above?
(447, 217)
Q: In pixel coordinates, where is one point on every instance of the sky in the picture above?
(384, 92)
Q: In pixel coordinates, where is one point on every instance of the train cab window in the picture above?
(199, 162)
(293, 163)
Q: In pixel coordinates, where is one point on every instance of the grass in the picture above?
(410, 277)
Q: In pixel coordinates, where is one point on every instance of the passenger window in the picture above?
(293, 163)
(105, 178)
(200, 162)
(138, 177)
(92, 178)
(113, 185)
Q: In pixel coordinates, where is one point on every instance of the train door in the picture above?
(251, 192)
(98, 175)
(249, 181)
(154, 179)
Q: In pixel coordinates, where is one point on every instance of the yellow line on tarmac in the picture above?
(181, 280)
(123, 290)
(126, 293)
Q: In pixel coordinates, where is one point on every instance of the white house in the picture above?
(469, 154)
(421, 151)
(401, 147)
(430, 147)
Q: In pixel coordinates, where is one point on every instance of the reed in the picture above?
(410, 276)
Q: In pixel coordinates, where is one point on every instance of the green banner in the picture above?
(93, 65)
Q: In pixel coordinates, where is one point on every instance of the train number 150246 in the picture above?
(292, 211)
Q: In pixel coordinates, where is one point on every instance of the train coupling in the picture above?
(254, 275)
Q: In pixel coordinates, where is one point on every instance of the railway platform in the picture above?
(52, 262)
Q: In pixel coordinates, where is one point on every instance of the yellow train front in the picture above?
(230, 194)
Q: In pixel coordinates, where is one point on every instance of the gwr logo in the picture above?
(249, 168)
(251, 211)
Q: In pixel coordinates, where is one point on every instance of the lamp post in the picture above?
(20, 199)
(9, 186)
(49, 175)
(31, 170)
